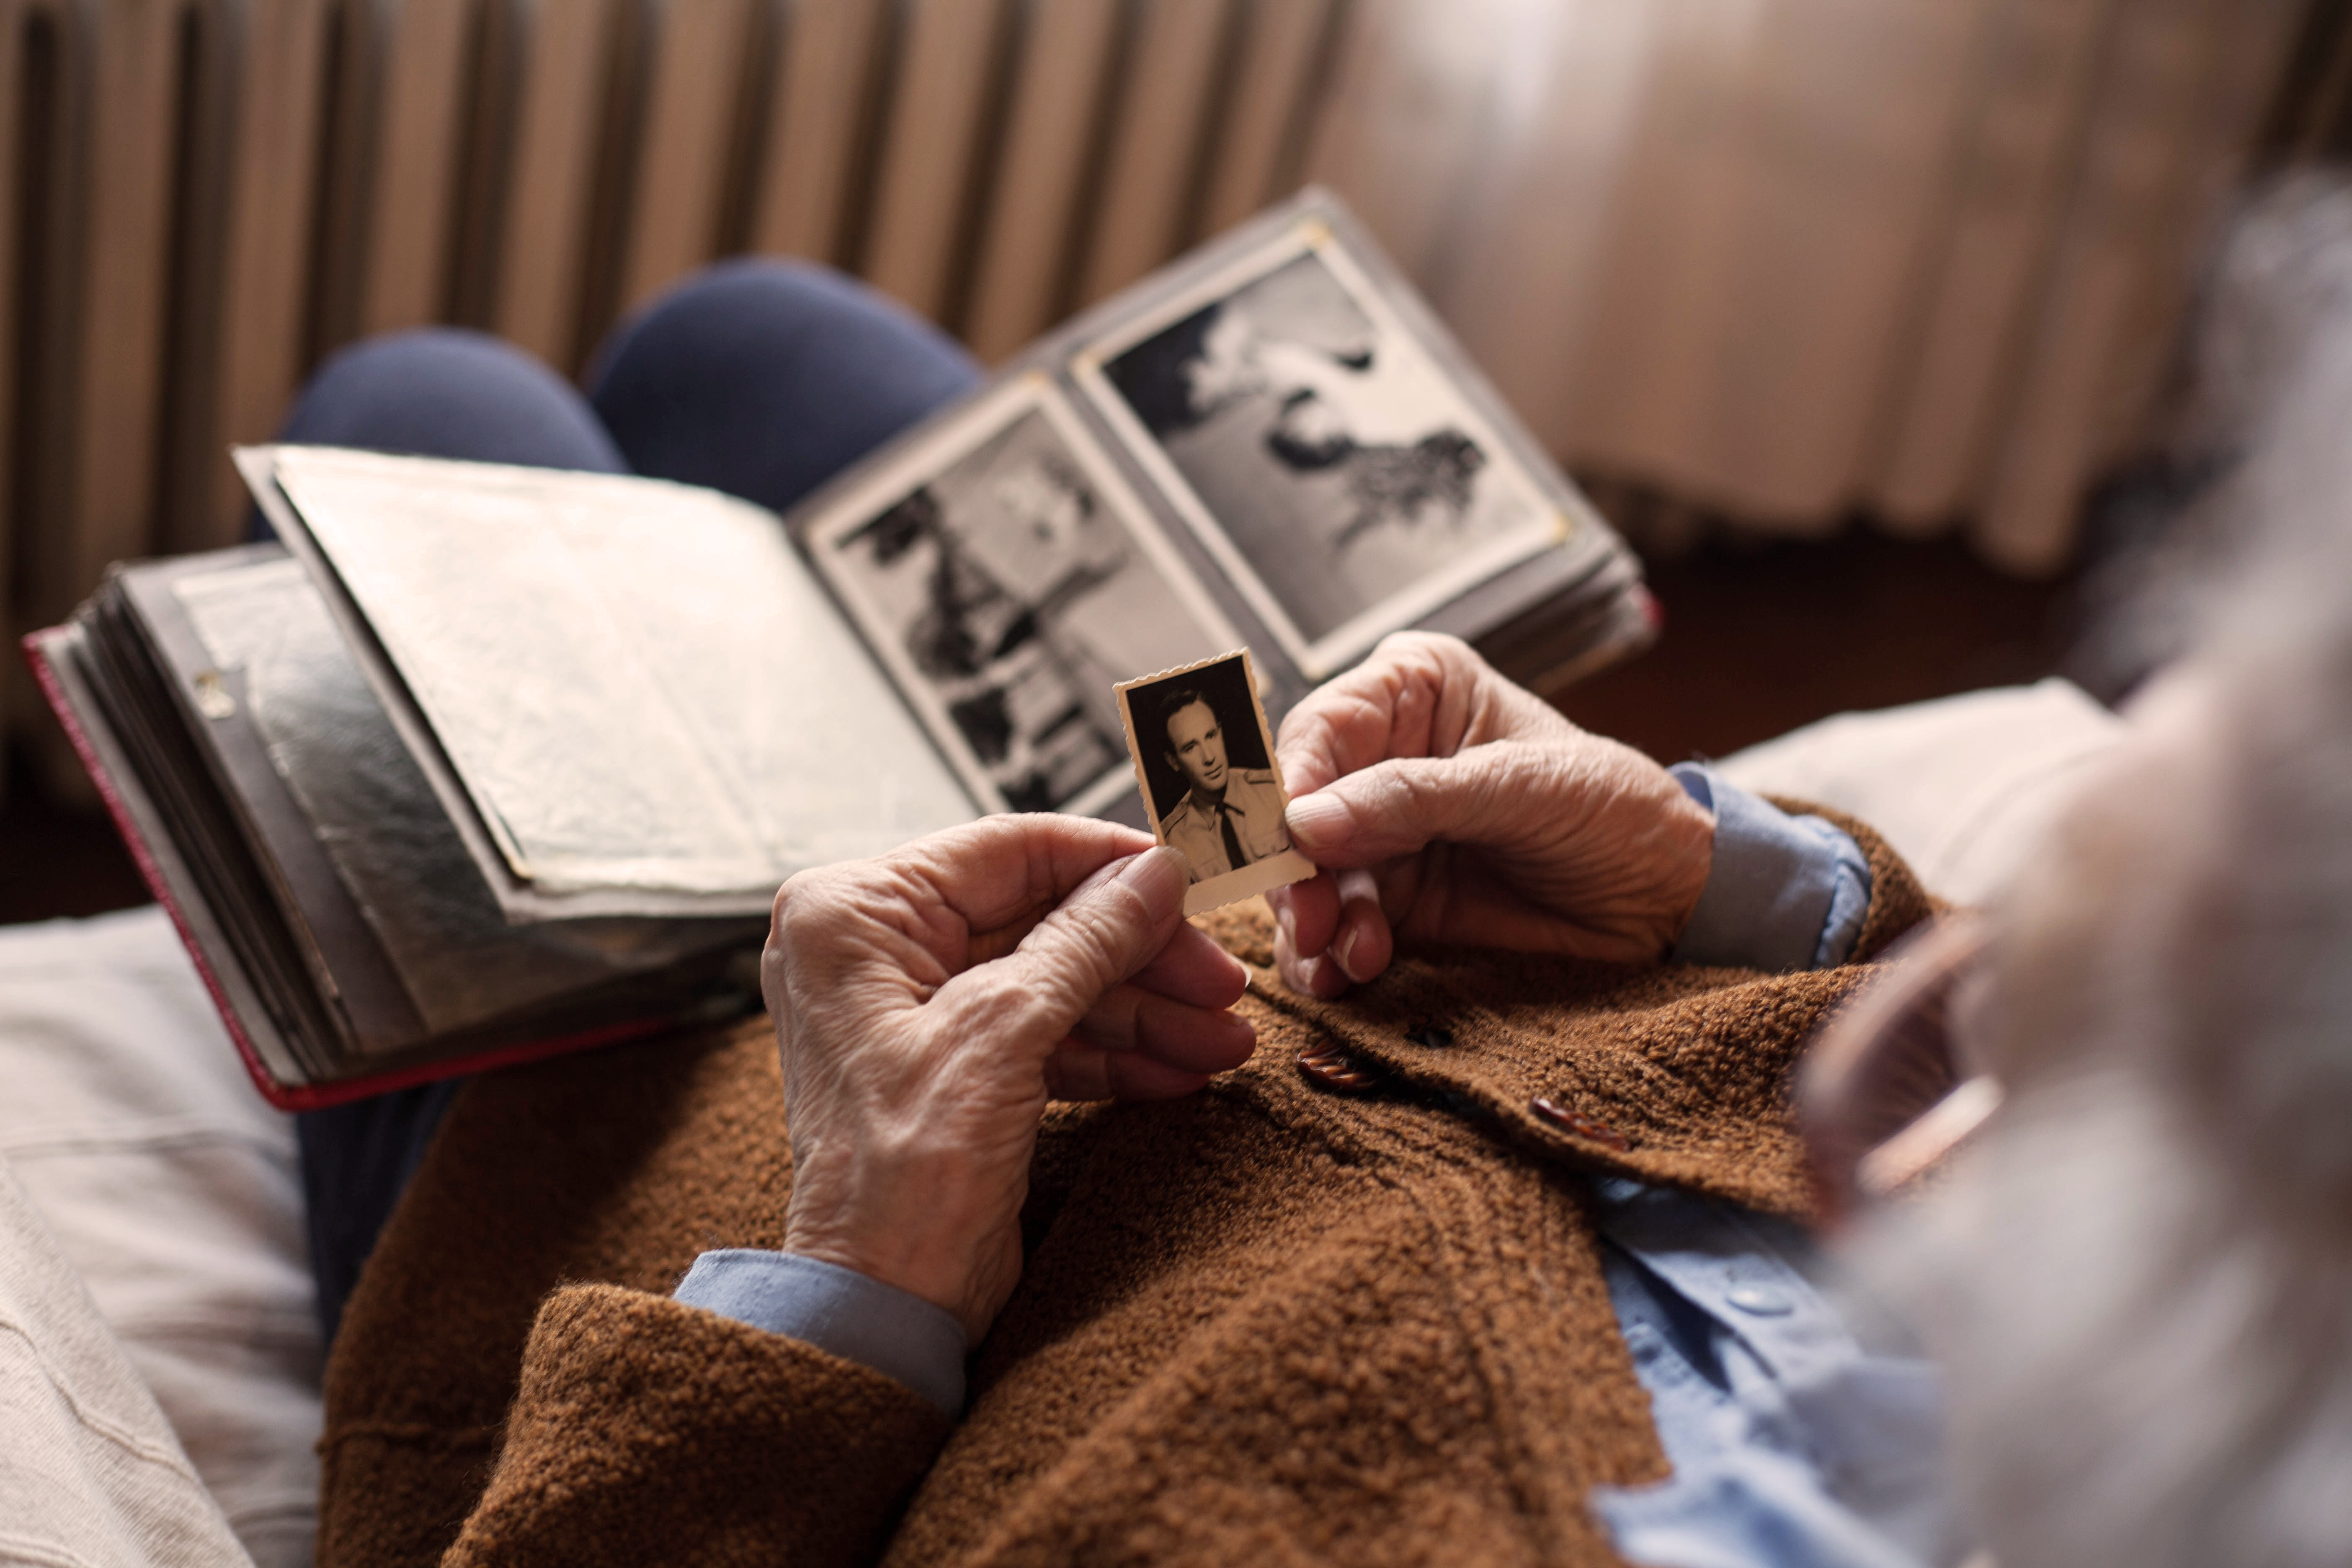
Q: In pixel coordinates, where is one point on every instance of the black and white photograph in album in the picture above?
(1009, 587)
(1323, 445)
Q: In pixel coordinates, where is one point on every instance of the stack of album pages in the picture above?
(481, 764)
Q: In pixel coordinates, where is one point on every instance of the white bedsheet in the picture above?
(171, 1188)
(89, 1471)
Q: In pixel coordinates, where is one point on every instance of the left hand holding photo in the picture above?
(928, 1003)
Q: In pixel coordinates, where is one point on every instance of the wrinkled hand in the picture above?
(929, 1002)
(1447, 805)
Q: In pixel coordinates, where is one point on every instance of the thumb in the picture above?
(1400, 806)
(1111, 926)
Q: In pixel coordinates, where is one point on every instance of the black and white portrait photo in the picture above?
(1324, 457)
(1009, 587)
(1205, 761)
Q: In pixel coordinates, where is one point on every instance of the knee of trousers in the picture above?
(450, 392)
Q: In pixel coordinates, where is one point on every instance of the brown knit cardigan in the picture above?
(1273, 1322)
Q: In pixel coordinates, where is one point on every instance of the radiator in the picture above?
(1788, 262)
(207, 196)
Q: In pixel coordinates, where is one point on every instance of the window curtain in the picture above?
(1797, 260)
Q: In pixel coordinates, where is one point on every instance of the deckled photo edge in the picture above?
(1259, 876)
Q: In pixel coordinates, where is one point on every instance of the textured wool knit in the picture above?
(1273, 1321)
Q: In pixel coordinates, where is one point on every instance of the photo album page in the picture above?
(1269, 446)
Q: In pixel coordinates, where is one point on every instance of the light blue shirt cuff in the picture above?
(1786, 892)
(838, 1311)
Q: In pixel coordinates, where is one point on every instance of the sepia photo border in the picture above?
(963, 433)
(1345, 643)
(1275, 870)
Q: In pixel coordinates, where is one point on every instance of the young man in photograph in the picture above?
(1230, 818)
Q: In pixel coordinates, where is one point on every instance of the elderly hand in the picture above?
(928, 1003)
(1447, 805)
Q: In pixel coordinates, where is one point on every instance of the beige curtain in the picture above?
(1782, 258)
(1796, 259)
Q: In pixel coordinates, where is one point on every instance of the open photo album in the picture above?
(479, 763)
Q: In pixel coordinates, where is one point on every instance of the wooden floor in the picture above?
(1759, 639)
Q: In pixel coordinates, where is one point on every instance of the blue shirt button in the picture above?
(1760, 1300)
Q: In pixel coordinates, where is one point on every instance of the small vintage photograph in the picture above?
(1204, 760)
(1326, 458)
(1008, 577)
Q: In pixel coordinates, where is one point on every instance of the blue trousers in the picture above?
(758, 378)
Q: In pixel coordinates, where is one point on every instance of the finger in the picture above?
(1395, 703)
(1079, 1072)
(1494, 796)
(905, 921)
(1195, 1039)
(1364, 944)
(1106, 931)
(1345, 920)
(1419, 694)
(1314, 975)
(1306, 914)
(1193, 969)
(1307, 917)
(1004, 871)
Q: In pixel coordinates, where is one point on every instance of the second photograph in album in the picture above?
(1313, 441)
(1007, 579)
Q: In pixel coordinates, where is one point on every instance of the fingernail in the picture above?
(1316, 817)
(1159, 875)
(1324, 978)
(1287, 924)
(1344, 950)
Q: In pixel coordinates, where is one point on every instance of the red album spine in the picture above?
(315, 1097)
(286, 1096)
(152, 873)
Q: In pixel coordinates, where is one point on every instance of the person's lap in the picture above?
(758, 378)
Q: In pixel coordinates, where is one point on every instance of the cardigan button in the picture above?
(1576, 1122)
(1336, 1069)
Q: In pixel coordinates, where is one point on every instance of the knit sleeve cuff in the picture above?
(1786, 892)
(838, 1311)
